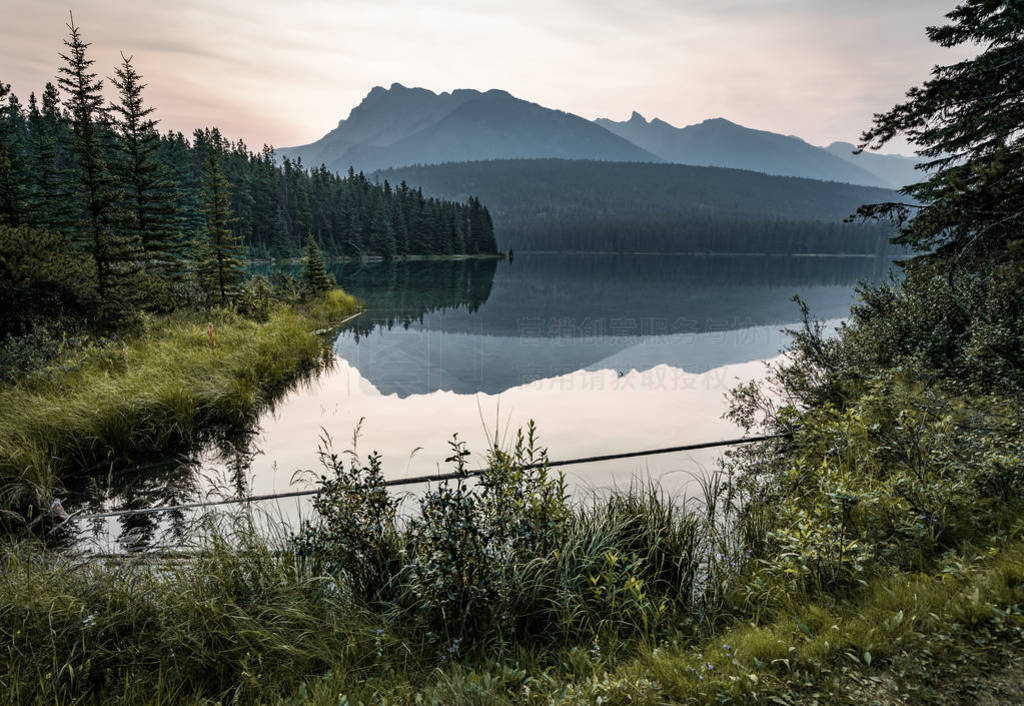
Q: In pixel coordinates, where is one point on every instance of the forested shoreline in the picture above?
(103, 216)
(559, 205)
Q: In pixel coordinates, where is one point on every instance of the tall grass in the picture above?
(152, 391)
(248, 620)
(246, 616)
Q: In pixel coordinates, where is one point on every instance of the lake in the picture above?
(607, 353)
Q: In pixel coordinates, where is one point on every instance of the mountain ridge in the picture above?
(401, 126)
(585, 206)
(718, 142)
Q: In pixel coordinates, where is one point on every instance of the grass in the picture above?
(248, 621)
(151, 391)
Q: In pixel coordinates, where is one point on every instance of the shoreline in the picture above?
(377, 258)
(871, 256)
(154, 391)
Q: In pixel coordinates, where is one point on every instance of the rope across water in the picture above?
(412, 480)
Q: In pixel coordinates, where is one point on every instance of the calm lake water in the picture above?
(605, 353)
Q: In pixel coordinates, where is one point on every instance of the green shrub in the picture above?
(356, 536)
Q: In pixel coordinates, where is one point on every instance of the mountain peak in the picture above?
(718, 142)
(721, 122)
(404, 125)
(636, 118)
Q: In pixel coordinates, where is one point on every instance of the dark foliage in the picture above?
(314, 271)
(566, 205)
(161, 221)
(966, 122)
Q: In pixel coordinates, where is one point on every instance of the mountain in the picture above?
(578, 205)
(895, 169)
(721, 143)
(402, 126)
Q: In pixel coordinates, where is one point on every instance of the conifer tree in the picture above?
(382, 234)
(12, 177)
(150, 196)
(314, 273)
(115, 255)
(6, 200)
(965, 122)
(220, 265)
(48, 204)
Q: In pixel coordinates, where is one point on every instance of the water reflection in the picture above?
(548, 315)
(606, 353)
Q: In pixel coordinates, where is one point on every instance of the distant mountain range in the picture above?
(721, 143)
(895, 169)
(402, 126)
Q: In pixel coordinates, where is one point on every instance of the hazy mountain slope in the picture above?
(402, 126)
(894, 169)
(551, 204)
(721, 143)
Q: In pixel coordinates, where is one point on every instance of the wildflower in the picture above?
(380, 631)
(88, 620)
(595, 650)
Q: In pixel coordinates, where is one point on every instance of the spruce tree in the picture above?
(115, 255)
(382, 235)
(965, 123)
(48, 204)
(314, 274)
(6, 193)
(12, 177)
(220, 265)
(150, 195)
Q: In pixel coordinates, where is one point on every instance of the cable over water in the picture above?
(412, 480)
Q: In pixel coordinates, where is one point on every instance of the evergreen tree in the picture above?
(115, 255)
(220, 266)
(12, 177)
(150, 196)
(48, 204)
(382, 234)
(967, 123)
(314, 273)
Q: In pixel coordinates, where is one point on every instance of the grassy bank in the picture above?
(152, 390)
(255, 625)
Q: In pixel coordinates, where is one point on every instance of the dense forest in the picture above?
(571, 205)
(120, 217)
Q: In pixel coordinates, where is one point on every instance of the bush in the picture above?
(41, 277)
(356, 537)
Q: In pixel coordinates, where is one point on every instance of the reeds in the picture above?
(245, 619)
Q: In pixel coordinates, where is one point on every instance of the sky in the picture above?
(284, 73)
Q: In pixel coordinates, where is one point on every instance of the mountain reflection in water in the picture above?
(605, 353)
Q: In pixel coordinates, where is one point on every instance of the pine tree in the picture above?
(150, 195)
(314, 274)
(966, 123)
(220, 265)
(12, 176)
(48, 204)
(382, 235)
(115, 256)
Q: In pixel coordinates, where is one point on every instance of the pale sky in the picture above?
(284, 73)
